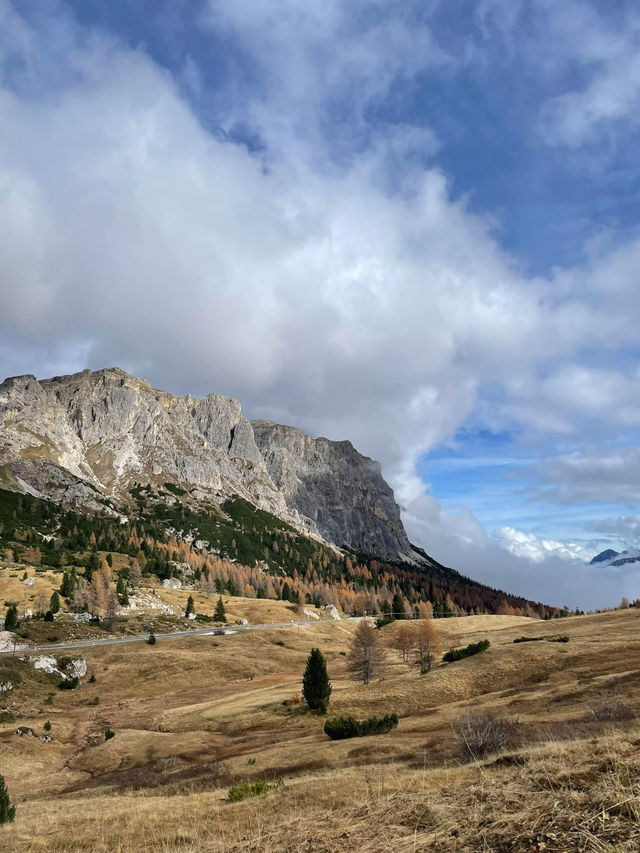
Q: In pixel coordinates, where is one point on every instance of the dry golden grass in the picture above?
(193, 716)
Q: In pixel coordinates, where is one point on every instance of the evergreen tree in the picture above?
(121, 589)
(316, 687)
(286, 592)
(189, 608)
(7, 811)
(220, 614)
(397, 607)
(54, 602)
(11, 618)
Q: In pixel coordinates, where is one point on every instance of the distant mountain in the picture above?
(616, 559)
(604, 556)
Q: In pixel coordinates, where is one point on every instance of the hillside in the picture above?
(192, 718)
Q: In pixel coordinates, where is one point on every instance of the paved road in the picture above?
(171, 635)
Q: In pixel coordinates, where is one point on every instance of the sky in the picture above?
(411, 224)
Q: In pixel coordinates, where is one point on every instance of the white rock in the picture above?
(46, 663)
(172, 583)
(332, 610)
(7, 640)
(311, 613)
(6, 686)
(29, 581)
(82, 617)
(191, 616)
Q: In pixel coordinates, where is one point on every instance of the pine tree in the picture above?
(397, 607)
(54, 602)
(220, 614)
(11, 618)
(7, 811)
(189, 608)
(316, 687)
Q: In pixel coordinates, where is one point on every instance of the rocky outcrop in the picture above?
(339, 489)
(86, 439)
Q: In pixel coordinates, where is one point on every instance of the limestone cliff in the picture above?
(339, 489)
(85, 439)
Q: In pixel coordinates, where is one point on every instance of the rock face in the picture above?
(85, 439)
(339, 489)
(79, 438)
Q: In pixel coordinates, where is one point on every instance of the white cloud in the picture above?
(306, 284)
(536, 549)
(612, 476)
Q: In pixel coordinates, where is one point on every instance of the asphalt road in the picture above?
(170, 635)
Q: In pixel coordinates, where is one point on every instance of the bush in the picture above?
(612, 712)
(472, 649)
(243, 790)
(108, 734)
(528, 639)
(340, 728)
(68, 683)
(151, 639)
(481, 733)
(48, 616)
(562, 639)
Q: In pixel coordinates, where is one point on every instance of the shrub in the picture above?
(151, 639)
(48, 616)
(481, 733)
(68, 683)
(340, 728)
(562, 639)
(528, 639)
(11, 618)
(47, 726)
(92, 679)
(108, 734)
(466, 652)
(612, 712)
(243, 790)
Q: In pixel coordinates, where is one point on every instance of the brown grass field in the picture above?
(192, 717)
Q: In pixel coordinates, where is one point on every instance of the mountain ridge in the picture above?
(85, 438)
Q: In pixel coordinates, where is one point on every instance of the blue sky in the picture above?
(410, 224)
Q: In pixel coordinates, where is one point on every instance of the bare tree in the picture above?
(404, 640)
(366, 657)
(426, 645)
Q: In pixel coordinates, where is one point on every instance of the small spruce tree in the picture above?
(220, 614)
(11, 618)
(54, 602)
(7, 811)
(316, 687)
(189, 608)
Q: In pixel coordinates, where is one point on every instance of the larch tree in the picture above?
(366, 657)
(404, 640)
(426, 644)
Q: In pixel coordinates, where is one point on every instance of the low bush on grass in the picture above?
(528, 639)
(466, 652)
(68, 683)
(340, 728)
(243, 790)
(482, 733)
(108, 734)
(611, 712)
(562, 639)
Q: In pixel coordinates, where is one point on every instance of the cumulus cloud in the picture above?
(606, 477)
(307, 275)
(537, 550)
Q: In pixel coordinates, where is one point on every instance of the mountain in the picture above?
(604, 556)
(615, 558)
(87, 439)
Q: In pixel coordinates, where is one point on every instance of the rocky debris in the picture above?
(7, 640)
(29, 581)
(6, 686)
(332, 611)
(82, 617)
(341, 491)
(64, 668)
(147, 601)
(45, 738)
(21, 731)
(172, 583)
(191, 616)
(310, 613)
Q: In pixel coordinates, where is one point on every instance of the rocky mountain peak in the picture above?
(88, 437)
